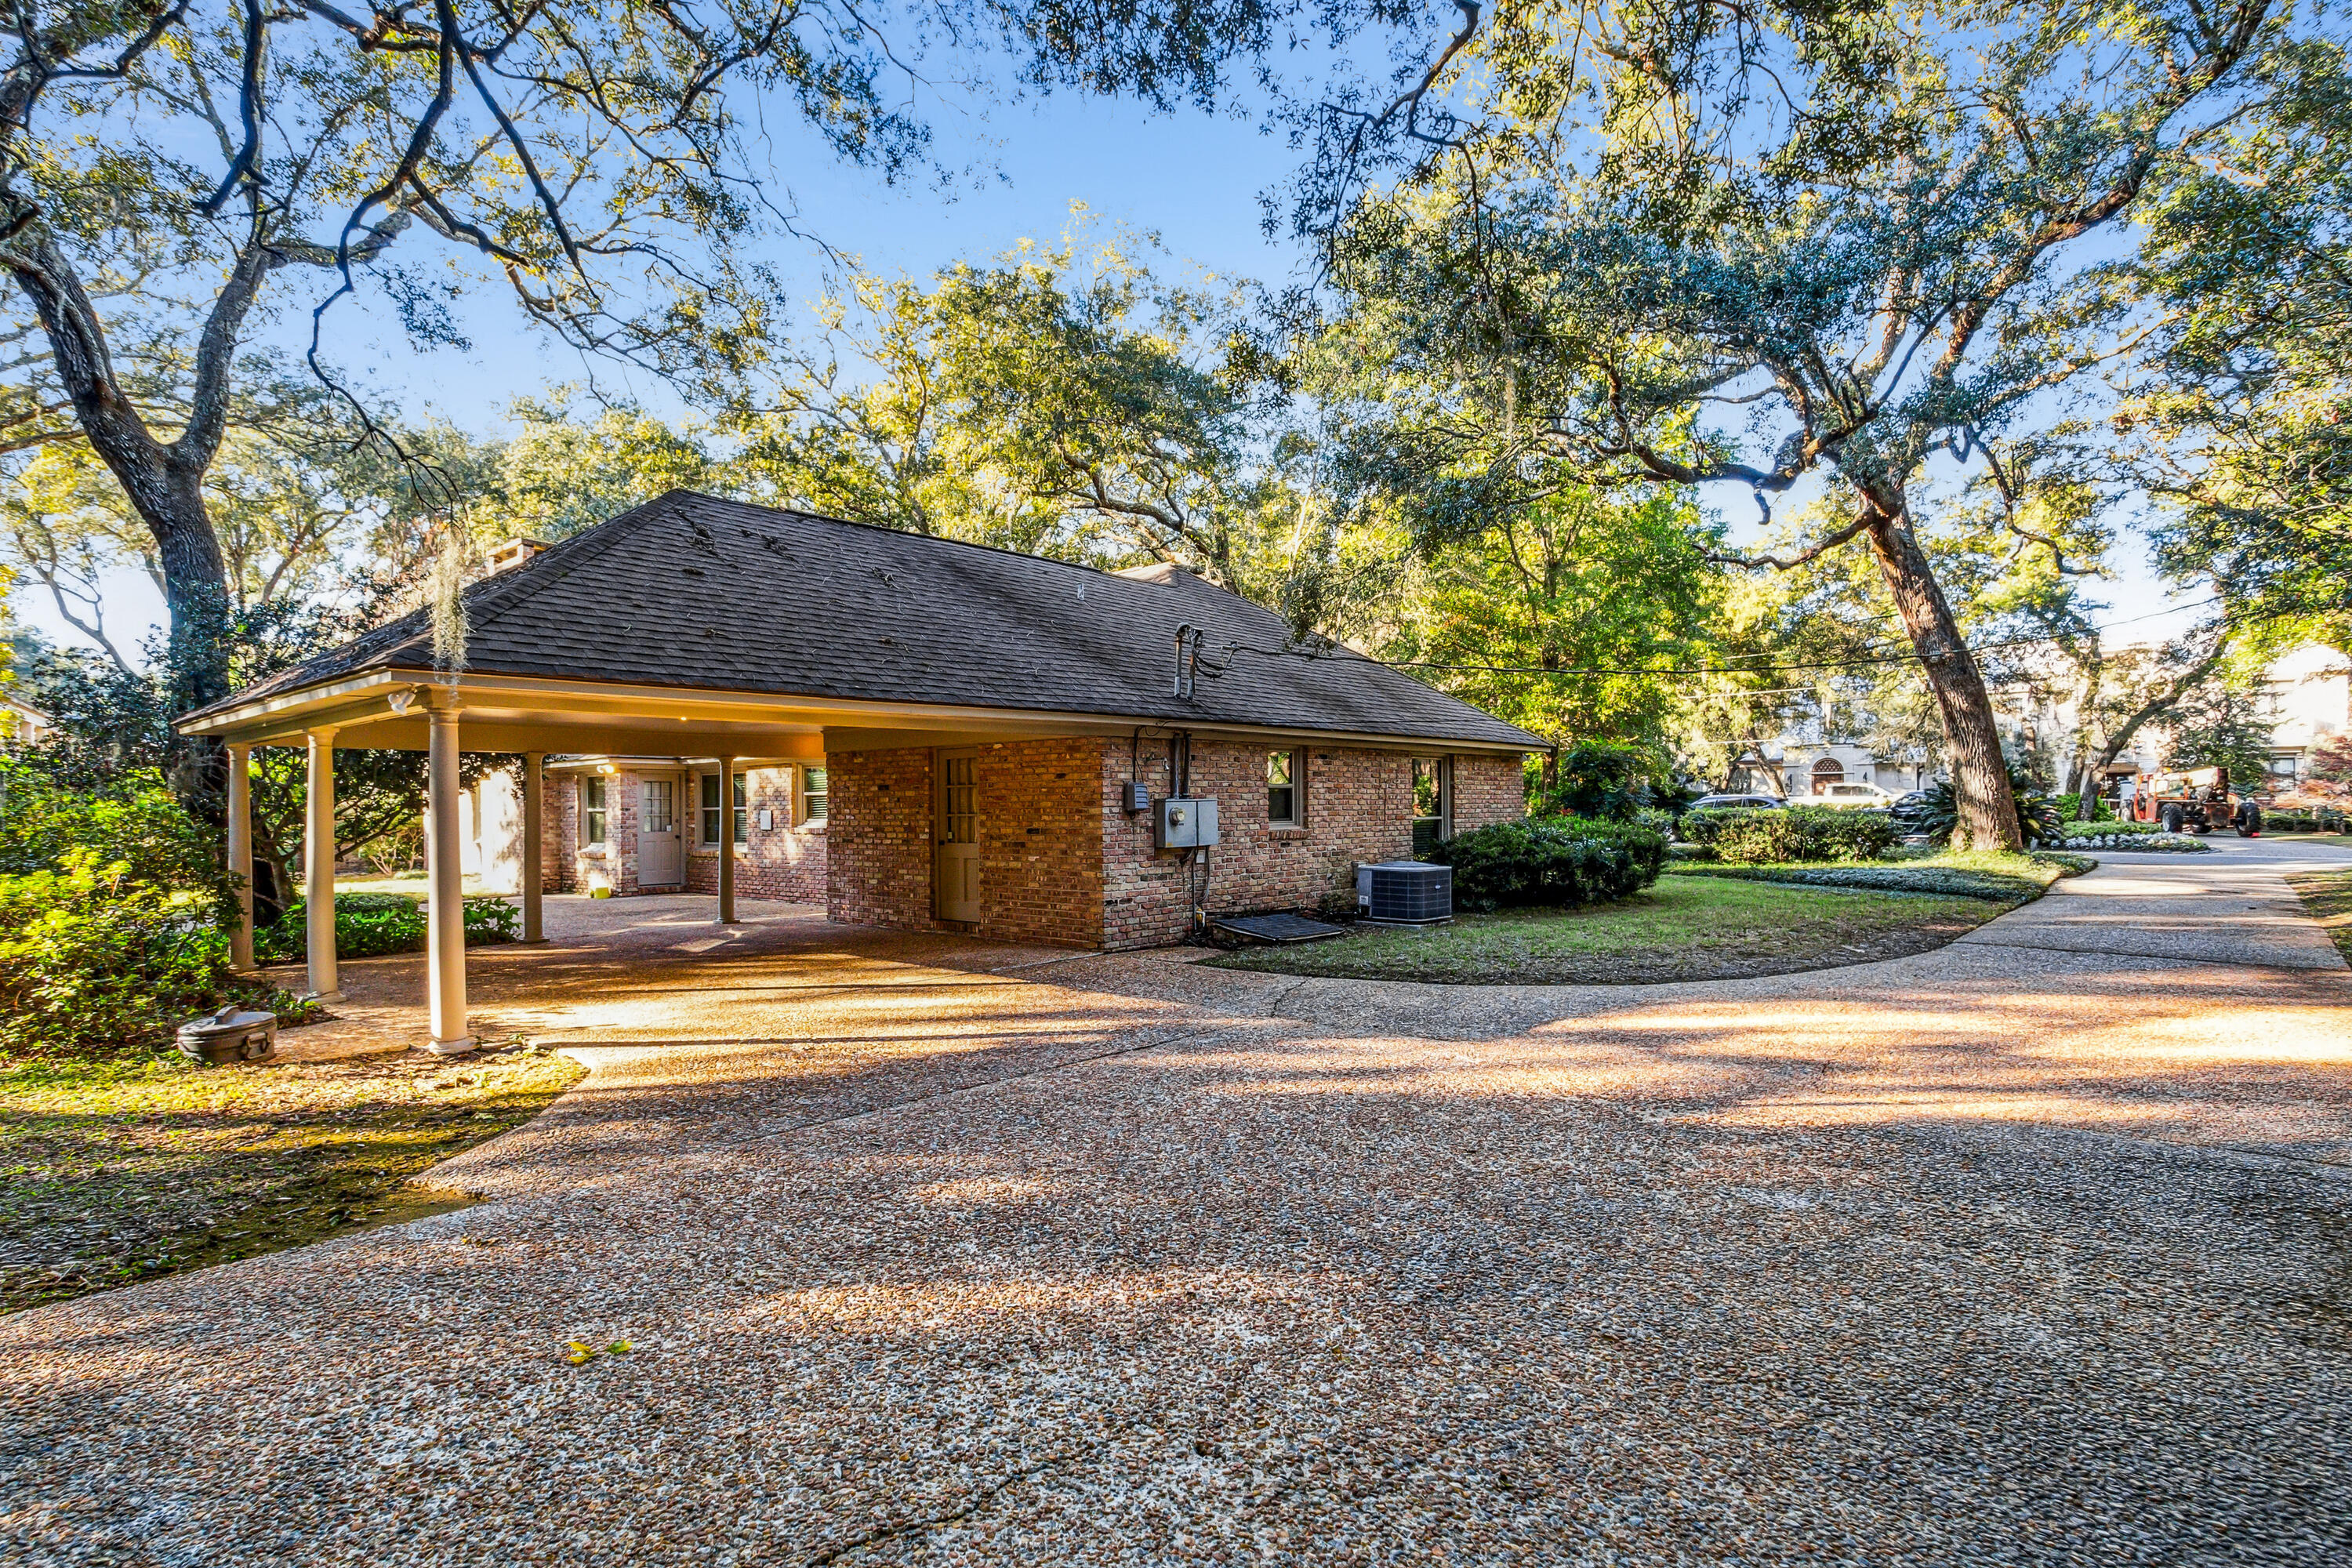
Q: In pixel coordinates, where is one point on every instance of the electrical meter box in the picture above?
(1184, 823)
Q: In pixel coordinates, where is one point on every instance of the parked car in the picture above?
(1905, 809)
(1854, 796)
(1736, 802)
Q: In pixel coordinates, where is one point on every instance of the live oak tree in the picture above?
(1065, 400)
(2239, 414)
(1833, 249)
(175, 174)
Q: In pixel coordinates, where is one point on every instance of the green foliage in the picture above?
(133, 823)
(2104, 828)
(2037, 818)
(1556, 862)
(1792, 833)
(93, 959)
(2219, 726)
(491, 921)
(1943, 879)
(1061, 402)
(1596, 780)
(368, 925)
(2245, 434)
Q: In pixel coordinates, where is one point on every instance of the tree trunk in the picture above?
(163, 484)
(1988, 811)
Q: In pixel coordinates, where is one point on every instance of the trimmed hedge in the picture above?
(2324, 819)
(1552, 862)
(1779, 835)
(368, 925)
(2110, 830)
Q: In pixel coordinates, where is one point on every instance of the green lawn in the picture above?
(115, 1170)
(2328, 896)
(1685, 928)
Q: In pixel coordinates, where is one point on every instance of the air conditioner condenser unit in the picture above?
(1406, 893)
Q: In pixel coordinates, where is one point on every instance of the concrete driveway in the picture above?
(2037, 1249)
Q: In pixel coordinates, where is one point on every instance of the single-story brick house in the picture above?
(919, 732)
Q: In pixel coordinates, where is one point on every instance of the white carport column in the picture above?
(534, 818)
(240, 854)
(727, 841)
(319, 866)
(444, 967)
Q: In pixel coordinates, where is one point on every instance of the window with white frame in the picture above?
(592, 811)
(1283, 802)
(813, 794)
(709, 828)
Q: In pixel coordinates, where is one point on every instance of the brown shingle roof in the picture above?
(693, 592)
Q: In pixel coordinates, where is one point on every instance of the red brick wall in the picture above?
(1359, 806)
(1062, 862)
(878, 844)
(1040, 840)
(778, 862)
(574, 867)
(1487, 790)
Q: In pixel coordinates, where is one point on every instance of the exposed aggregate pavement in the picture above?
(937, 1252)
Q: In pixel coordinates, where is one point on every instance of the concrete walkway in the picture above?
(2037, 1249)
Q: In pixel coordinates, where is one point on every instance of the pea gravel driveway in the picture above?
(2034, 1249)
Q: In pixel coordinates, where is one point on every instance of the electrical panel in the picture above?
(1183, 822)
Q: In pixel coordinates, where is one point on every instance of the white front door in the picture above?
(661, 854)
(957, 874)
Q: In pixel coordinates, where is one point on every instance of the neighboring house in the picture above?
(23, 723)
(2309, 693)
(2306, 691)
(924, 733)
(1798, 768)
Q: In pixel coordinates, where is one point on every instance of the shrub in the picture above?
(2074, 830)
(135, 825)
(1778, 835)
(2159, 839)
(1552, 862)
(369, 925)
(2039, 816)
(94, 959)
(1596, 780)
(491, 921)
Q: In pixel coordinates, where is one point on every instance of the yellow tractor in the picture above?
(2196, 801)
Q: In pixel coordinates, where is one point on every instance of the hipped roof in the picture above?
(695, 592)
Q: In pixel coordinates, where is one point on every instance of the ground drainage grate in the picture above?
(1277, 928)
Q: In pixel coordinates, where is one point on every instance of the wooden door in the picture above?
(956, 876)
(661, 853)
